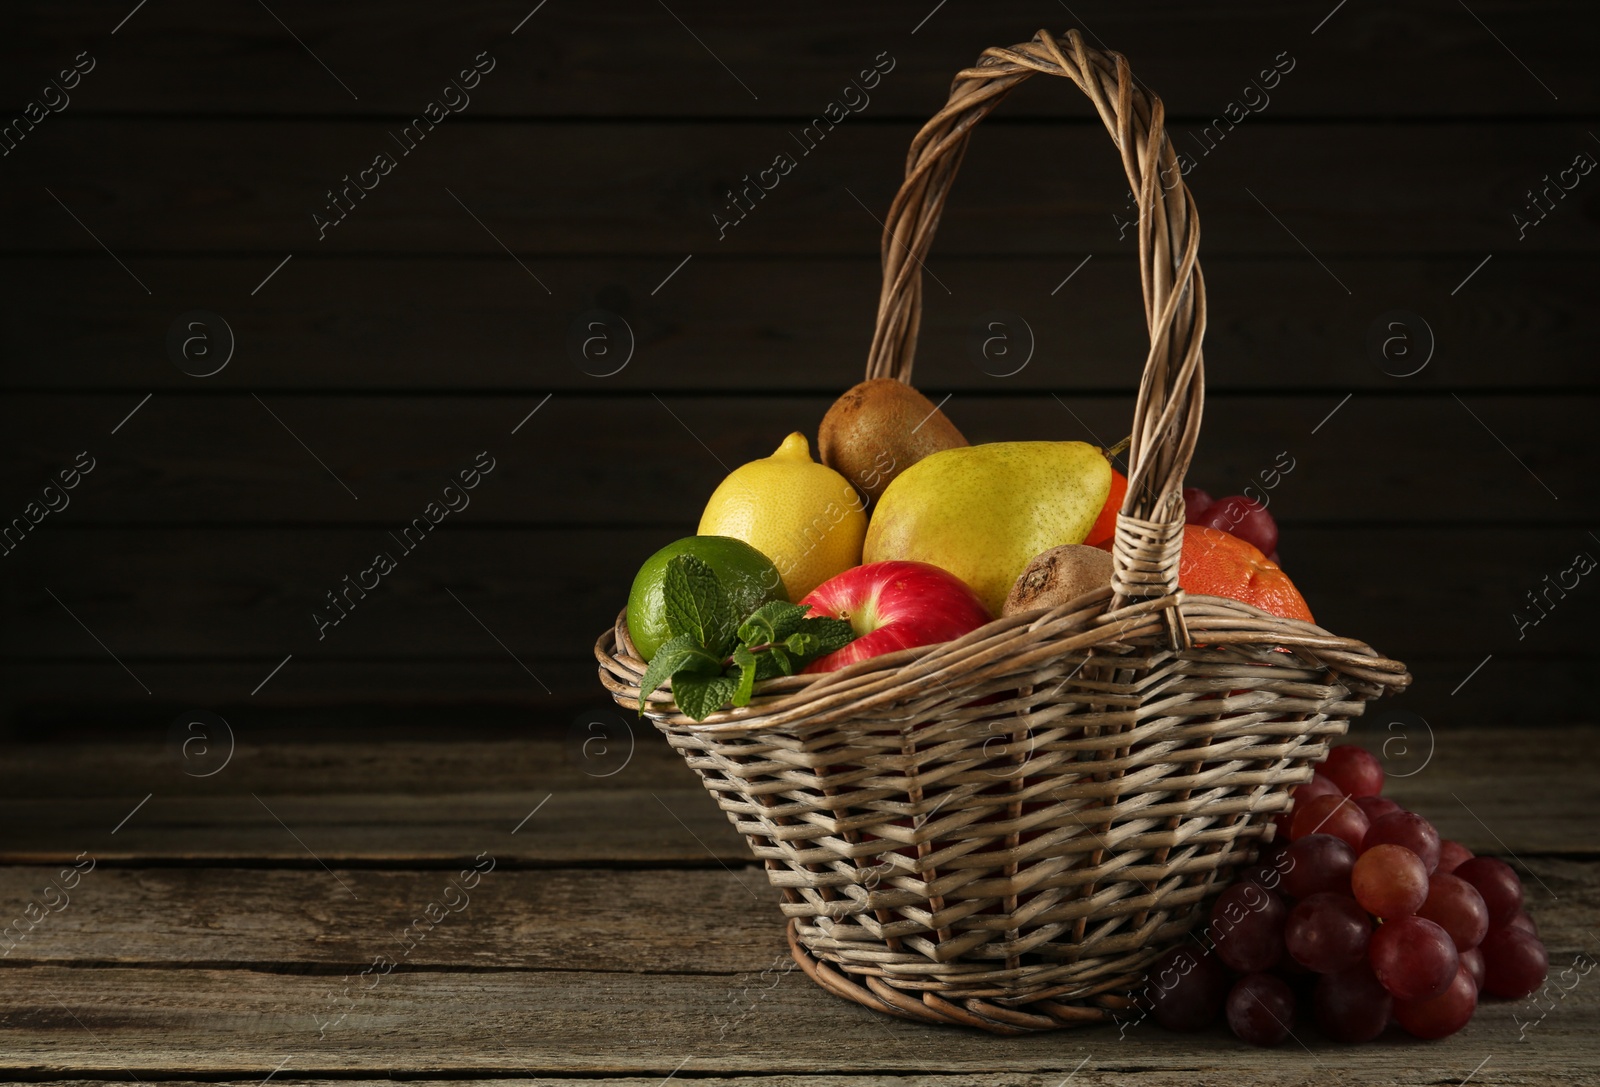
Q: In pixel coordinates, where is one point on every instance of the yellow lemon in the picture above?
(802, 515)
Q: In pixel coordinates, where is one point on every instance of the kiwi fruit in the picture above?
(880, 428)
(1057, 576)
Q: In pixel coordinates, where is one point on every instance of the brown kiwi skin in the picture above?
(878, 429)
(1058, 576)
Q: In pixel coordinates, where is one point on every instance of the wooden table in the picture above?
(610, 929)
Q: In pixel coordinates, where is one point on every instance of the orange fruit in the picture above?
(1105, 526)
(1215, 563)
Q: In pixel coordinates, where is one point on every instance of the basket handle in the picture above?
(1166, 418)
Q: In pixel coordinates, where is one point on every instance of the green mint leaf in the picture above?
(748, 665)
(772, 622)
(775, 662)
(697, 604)
(831, 634)
(802, 644)
(680, 655)
(701, 696)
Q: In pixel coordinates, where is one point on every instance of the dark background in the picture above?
(1385, 169)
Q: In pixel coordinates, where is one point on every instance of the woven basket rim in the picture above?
(782, 697)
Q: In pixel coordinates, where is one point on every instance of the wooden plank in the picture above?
(254, 591)
(225, 458)
(1428, 57)
(1112, 1076)
(258, 188)
(677, 826)
(561, 919)
(757, 324)
(754, 323)
(60, 1020)
(1519, 790)
(334, 758)
(502, 919)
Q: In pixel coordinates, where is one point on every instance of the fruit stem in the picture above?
(1118, 449)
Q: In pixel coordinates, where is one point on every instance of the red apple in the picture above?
(894, 605)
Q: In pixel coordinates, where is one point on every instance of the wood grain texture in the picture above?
(387, 804)
(223, 972)
(232, 592)
(545, 189)
(236, 1023)
(296, 921)
(223, 458)
(362, 323)
(189, 58)
(563, 919)
(674, 825)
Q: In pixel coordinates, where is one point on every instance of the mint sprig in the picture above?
(712, 658)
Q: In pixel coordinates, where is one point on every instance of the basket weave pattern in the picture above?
(1004, 830)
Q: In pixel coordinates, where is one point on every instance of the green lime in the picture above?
(749, 576)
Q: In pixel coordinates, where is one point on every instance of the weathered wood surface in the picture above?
(625, 962)
(190, 57)
(763, 323)
(565, 919)
(1398, 149)
(541, 188)
(377, 804)
(236, 1023)
(550, 591)
(589, 459)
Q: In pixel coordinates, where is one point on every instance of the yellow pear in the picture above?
(983, 512)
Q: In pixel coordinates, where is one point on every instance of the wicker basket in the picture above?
(1003, 831)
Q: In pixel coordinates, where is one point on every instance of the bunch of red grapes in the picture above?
(1363, 915)
(1236, 515)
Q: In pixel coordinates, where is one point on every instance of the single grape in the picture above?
(1414, 958)
(1319, 785)
(1186, 988)
(1409, 829)
(1524, 922)
(1389, 881)
(1472, 962)
(1458, 908)
(1355, 770)
(1246, 928)
(1244, 519)
(1316, 863)
(1300, 796)
(1514, 962)
(1376, 807)
(1261, 1009)
(1270, 866)
(1327, 933)
(1351, 1006)
(1497, 882)
(1335, 815)
(1442, 1015)
(1195, 504)
(1451, 856)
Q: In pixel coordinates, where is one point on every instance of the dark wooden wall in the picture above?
(425, 327)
